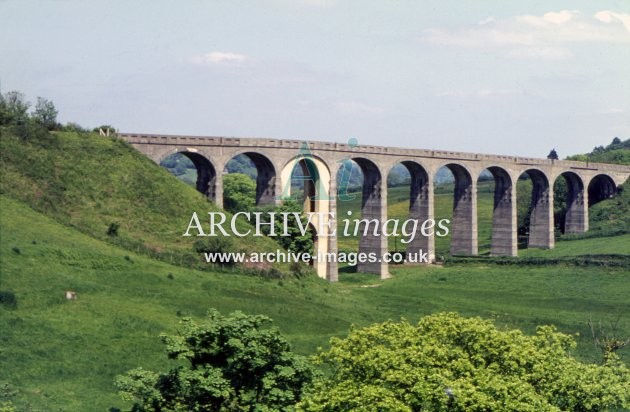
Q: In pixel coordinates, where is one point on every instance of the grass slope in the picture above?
(63, 355)
(89, 182)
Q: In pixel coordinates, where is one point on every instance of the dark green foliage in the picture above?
(8, 299)
(239, 193)
(231, 363)
(16, 250)
(112, 229)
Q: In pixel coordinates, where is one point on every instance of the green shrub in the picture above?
(112, 229)
(450, 363)
(226, 363)
(8, 299)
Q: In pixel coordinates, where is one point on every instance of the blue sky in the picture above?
(486, 76)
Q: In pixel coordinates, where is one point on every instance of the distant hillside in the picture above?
(617, 152)
(610, 216)
(105, 188)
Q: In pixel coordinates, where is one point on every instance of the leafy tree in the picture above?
(295, 241)
(45, 113)
(239, 192)
(233, 363)
(13, 109)
(450, 363)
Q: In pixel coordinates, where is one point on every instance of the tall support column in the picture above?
(576, 218)
(541, 233)
(421, 208)
(280, 189)
(215, 190)
(373, 212)
(504, 221)
(464, 224)
(332, 270)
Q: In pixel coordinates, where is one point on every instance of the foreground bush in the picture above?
(450, 363)
(233, 363)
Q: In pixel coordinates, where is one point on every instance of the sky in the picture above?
(496, 77)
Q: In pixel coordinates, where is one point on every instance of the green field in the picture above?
(63, 355)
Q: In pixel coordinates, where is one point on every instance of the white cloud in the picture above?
(218, 57)
(606, 16)
(537, 37)
(354, 107)
(540, 53)
(560, 17)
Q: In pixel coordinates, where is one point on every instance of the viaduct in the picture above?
(587, 183)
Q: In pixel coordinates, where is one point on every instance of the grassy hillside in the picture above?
(63, 355)
(613, 215)
(91, 182)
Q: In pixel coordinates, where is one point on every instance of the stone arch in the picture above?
(576, 215)
(601, 187)
(464, 221)
(206, 173)
(504, 239)
(420, 207)
(373, 212)
(540, 228)
(316, 201)
(265, 177)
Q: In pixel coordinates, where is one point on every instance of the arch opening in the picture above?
(408, 195)
(306, 180)
(601, 187)
(360, 192)
(372, 210)
(260, 170)
(454, 180)
(193, 169)
(496, 211)
(570, 211)
(535, 212)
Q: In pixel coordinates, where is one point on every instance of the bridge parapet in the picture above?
(139, 138)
